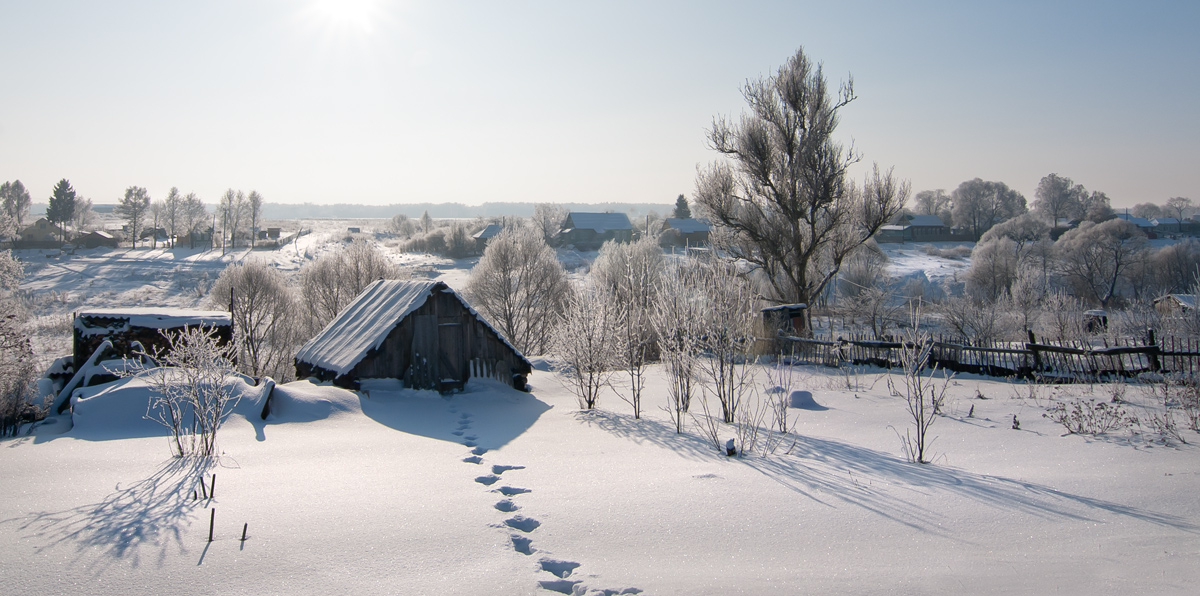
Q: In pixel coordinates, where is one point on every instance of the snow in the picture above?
(149, 318)
(389, 490)
(398, 491)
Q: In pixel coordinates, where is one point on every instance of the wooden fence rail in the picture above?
(1066, 360)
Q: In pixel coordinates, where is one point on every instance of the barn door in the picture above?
(423, 371)
(452, 353)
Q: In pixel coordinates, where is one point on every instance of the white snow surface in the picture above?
(395, 491)
(364, 324)
(157, 317)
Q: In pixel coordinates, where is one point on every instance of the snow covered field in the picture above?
(494, 491)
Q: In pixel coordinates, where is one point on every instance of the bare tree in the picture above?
(934, 202)
(921, 393)
(520, 287)
(981, 204)
(16, 202)
(728, 322)
(18, 366)
(1146, 210)
(264, 317)
(133, 207)
(254, 203)
(782, 190)
(84, 216)
(335, 278)
(678, 318)
(194, 216)
(583, 343)
(631, 271)
(1057, 197)
(548, 219)
(1178, 206)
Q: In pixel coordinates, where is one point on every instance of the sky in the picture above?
(380, 102)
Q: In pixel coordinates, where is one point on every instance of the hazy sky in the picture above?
(383, 101)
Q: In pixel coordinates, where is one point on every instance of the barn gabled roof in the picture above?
(689, 225)
(366, 322)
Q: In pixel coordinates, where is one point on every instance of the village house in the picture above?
(587, 231)
(482, 237)
(909, 227)
(421, 332)
(685, 232)
(41, 234)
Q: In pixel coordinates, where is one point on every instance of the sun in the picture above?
(359, 16)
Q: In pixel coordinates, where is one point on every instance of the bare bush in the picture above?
(676, 317)
(584, 344)
(922, 394)
(728, 323)
(333, 280)
(1090, 417)
(191, 398)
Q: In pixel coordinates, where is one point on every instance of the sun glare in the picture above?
(358, 16)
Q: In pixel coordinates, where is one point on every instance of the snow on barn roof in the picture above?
(689, 225)
(366, 322)
(489, 232)
(600, 222)
(99, 320)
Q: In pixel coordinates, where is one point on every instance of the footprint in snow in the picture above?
(472, 459)
(470, 444)
(522, 523)
(506, 506)
(479, 451)
(471, 437)
(562, 586)
(509, 491)
(522, 544)
(465, 416)
(457, 433)
(488, 480)
(499, 469)
(561, 569)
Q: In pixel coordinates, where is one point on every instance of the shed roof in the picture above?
(1185, 301)
(366, 322)
(149, 318)
(1140, 222)
(689, 225)
(489, 232)
(600, 222)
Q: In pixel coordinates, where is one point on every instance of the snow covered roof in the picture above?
(689, 225)
(489, 232)
(1169, 221)
(600, 222)
(1140, 222)
(1186, 301)
(147, 317)
(924, 220)
(366, 322)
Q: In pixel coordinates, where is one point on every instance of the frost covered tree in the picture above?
(1058, 197)
(133, 208)
(16, 201)
(334, 279)
(980, 204)
(782, 194)
(677, 316)
(1094, 257)
(18, 367)
(934, 202)
(264, 317)
(1146, 210)
(84, 216)
(1177, 206)
(548, 219)
(520, 287)
(728, 321)
(584, 344)
(254, 205)
(233, 209)
(194, 215)
(631, 273)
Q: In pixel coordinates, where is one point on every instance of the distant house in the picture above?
(421, 332)
(41, 233)
(1167, 225)
(685, 232)
(354, 230)
(587, 231)
(97, 239)
(910, 227)
(482, 237)
(1141, 222)
(1175, 303)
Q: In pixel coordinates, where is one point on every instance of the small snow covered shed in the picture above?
(124, 326)
(587, 231)
(421, 332)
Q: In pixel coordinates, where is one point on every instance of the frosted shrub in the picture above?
(1090, 417)
(632, 272)
(191, 398)
(264, 317)
(336, 278)
(923, 395)
(676, 317)
(584, 344)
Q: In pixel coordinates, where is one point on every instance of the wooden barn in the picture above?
(421, 332)
(124, 326)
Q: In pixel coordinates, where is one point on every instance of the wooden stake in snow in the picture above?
(203, 489)
(212, 489)
(244, 526)
(212, 519)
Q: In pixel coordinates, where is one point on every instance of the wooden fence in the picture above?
(1066, 360)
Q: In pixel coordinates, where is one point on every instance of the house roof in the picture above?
(689, 225)
(1169, 221)
(489, 232)
(924, 220)
(1140, 222)
(1187, 301)
(366, 322)
(600, 222)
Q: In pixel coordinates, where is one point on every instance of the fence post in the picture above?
(1155, 365)
(1037, 358)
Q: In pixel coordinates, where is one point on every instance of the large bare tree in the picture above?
(781, 194)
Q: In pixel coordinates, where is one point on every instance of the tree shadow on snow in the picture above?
(832, 472)
(148, 515)
(486, 414)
